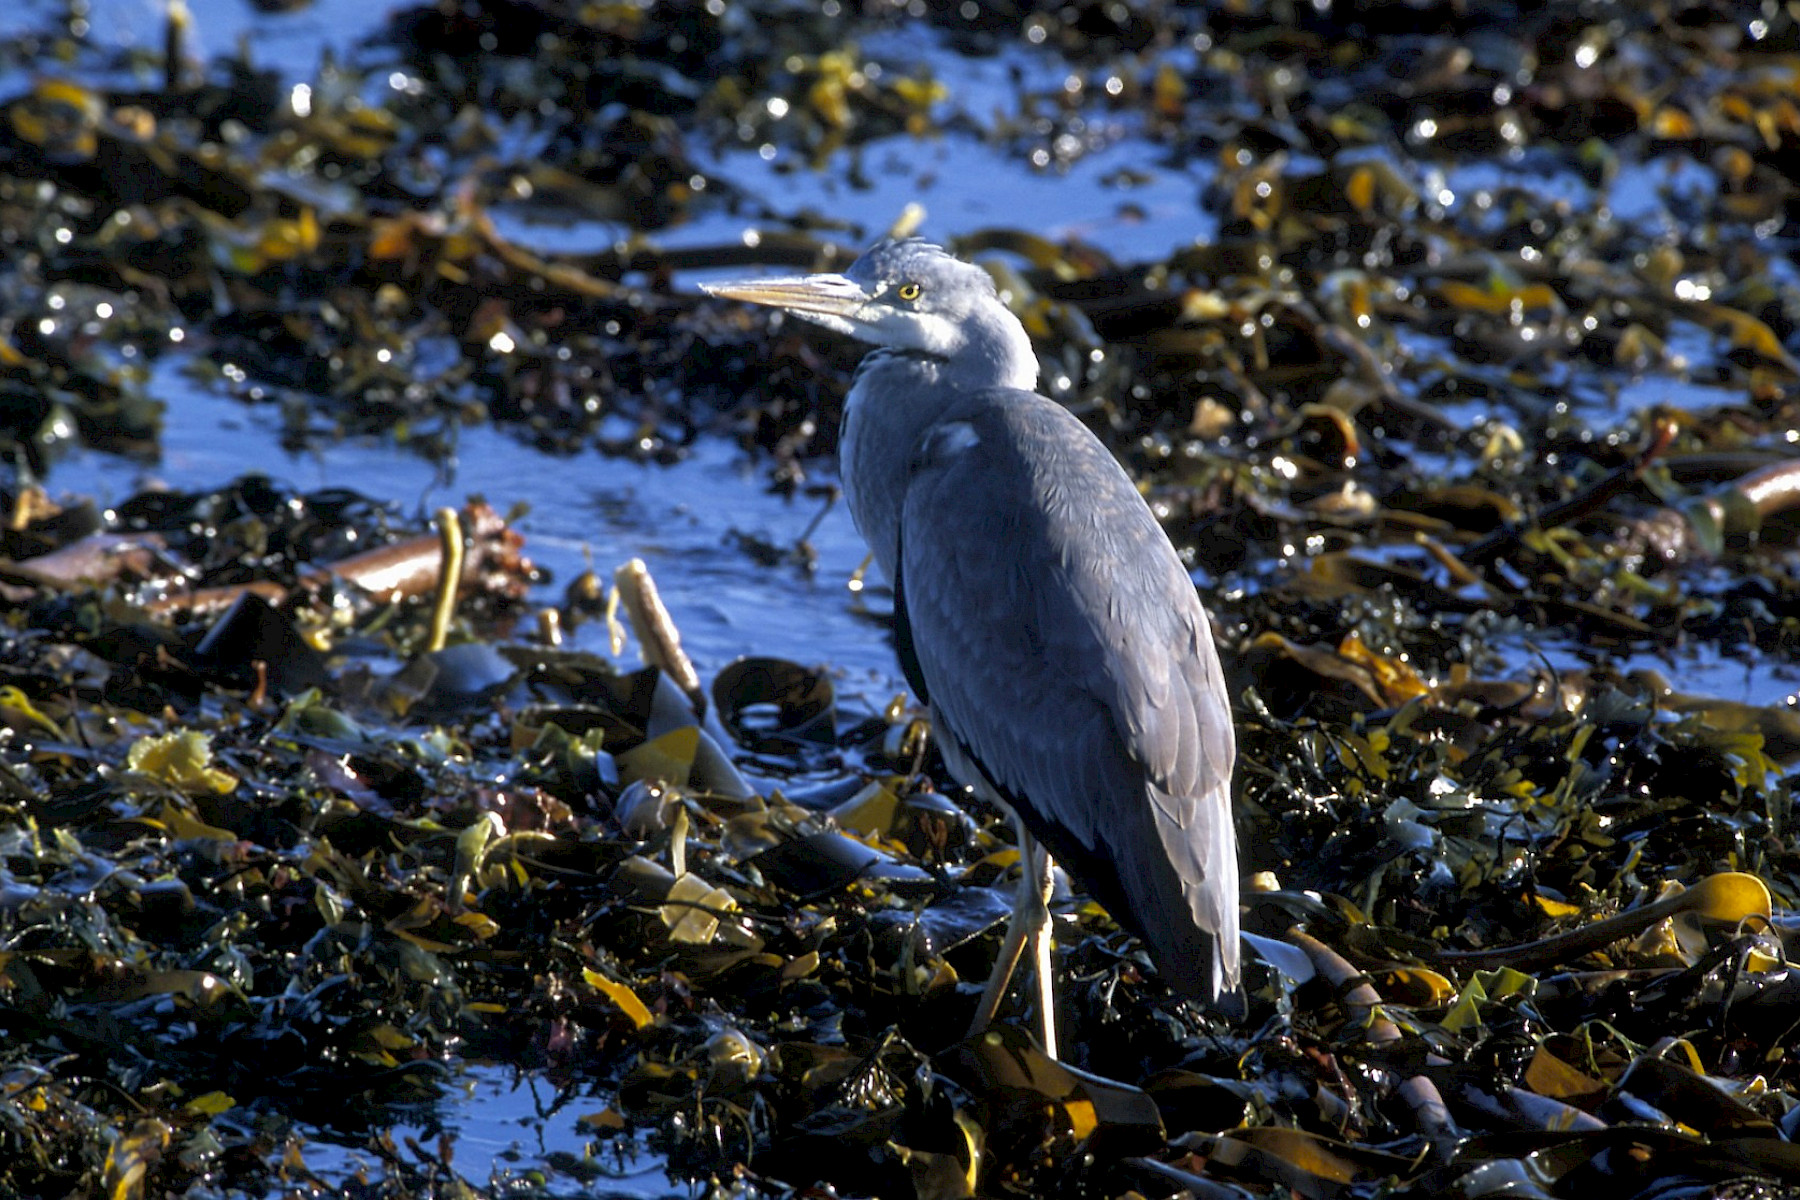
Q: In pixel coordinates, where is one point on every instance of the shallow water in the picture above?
(291, 42)
(507, 1121)
(964, 186)
(586, 510)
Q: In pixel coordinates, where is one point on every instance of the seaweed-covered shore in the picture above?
(1470, 399)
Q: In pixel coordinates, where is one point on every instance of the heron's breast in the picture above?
(848, 428)
(871, 467)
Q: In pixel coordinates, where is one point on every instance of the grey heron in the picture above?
(1040, 613)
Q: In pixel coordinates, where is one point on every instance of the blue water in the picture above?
(290, 42)
(585, 510)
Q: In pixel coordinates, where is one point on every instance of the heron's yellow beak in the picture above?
(834, 298)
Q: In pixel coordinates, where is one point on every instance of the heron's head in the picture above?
(905, 295)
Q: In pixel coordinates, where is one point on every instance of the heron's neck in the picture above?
(897, 396)
(997, 353)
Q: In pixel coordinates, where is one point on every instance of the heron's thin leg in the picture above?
(1030, 920)
(1001, 975)
(1042, 887)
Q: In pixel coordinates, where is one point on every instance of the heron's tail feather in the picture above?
(1202, 856)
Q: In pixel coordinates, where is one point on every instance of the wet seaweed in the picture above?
(1481, 389)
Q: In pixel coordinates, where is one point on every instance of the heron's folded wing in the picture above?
(1061, 641)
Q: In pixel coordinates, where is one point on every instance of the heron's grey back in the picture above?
(1068, 662)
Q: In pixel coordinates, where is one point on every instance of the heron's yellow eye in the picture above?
(907, 292)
